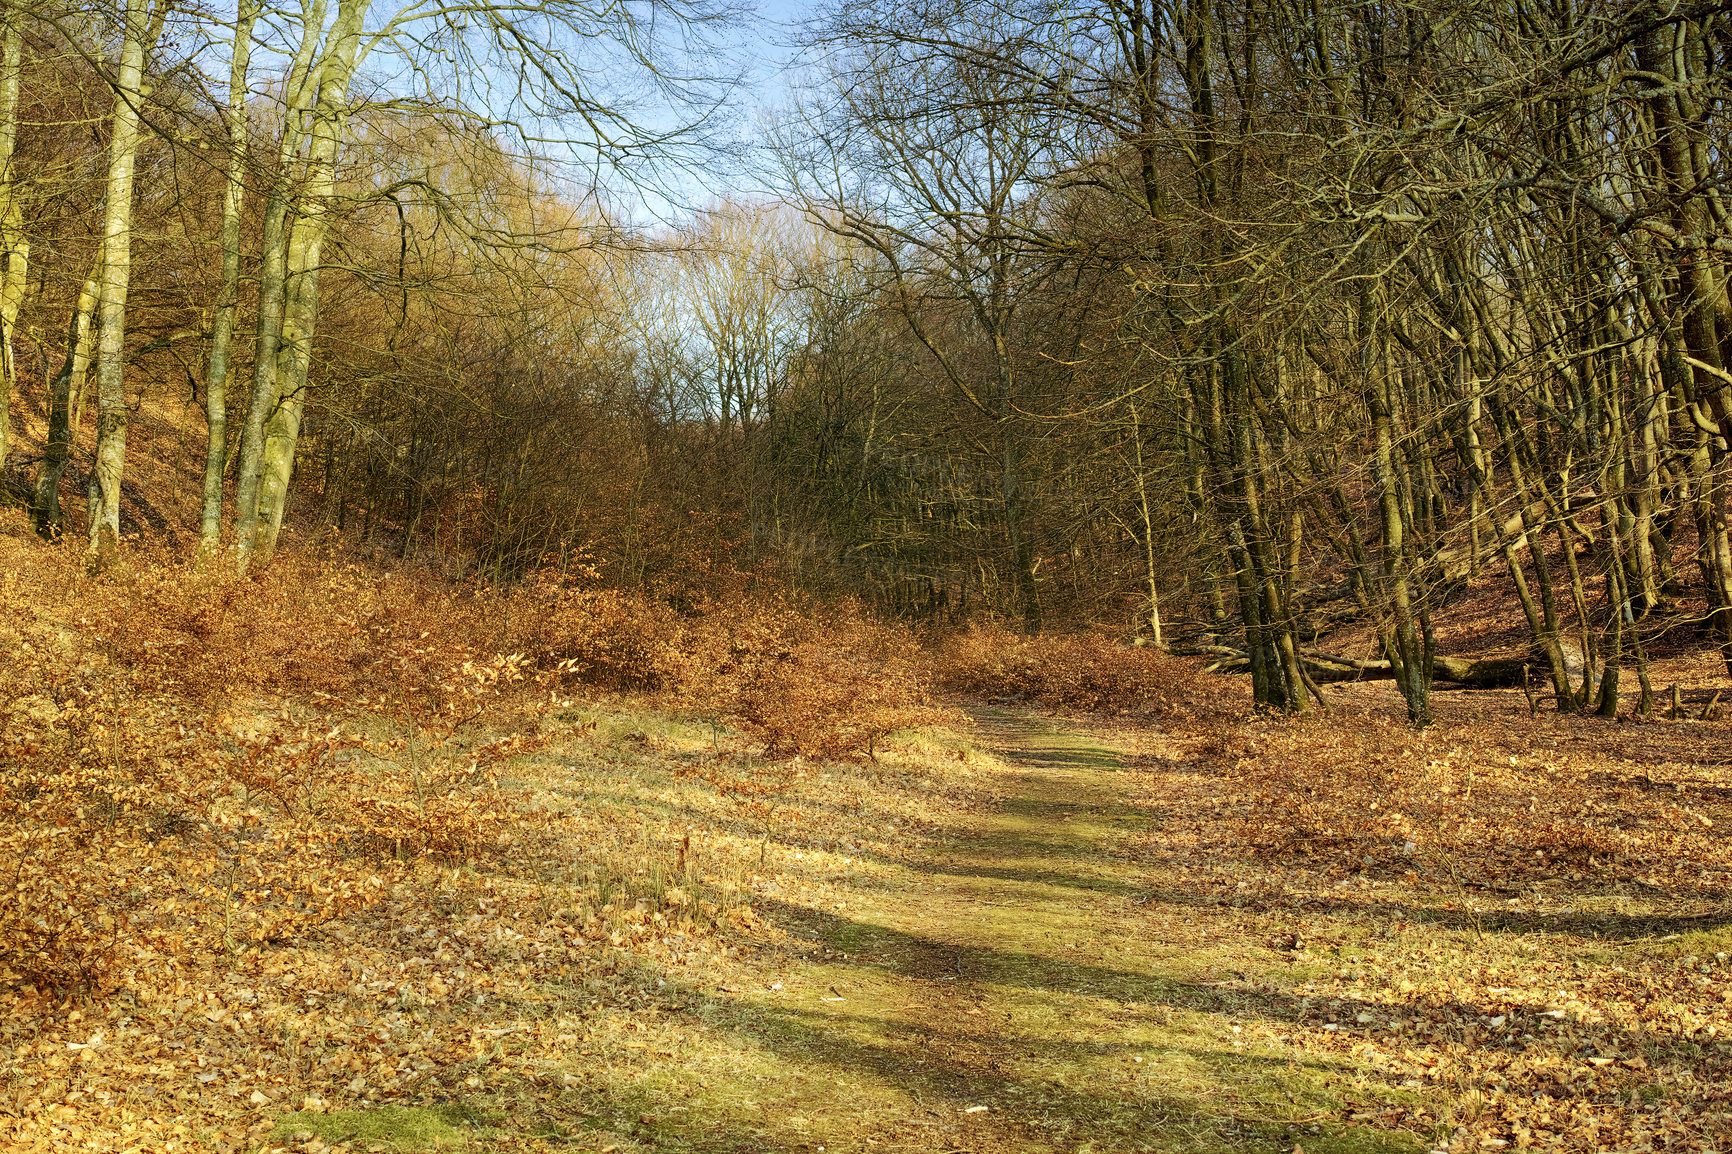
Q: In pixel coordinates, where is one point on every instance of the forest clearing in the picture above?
(596, 918)
(939, 575)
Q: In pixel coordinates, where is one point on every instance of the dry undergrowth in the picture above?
(489, 993)
(342, 843)
(1522, 920)
(1083, 672)
(299, 841)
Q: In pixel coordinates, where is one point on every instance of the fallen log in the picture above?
(1473, 672)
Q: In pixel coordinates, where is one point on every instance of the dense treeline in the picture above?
(369, 245)
(1377, 296)
(1259, 316)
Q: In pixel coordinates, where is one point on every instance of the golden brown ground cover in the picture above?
(1525, 917)
(290, 841)
(419, 867)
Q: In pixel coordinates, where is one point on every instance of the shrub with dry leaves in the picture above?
(1081, 672)
(191, 761)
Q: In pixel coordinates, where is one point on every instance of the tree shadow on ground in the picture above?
(1605, 925)
(946, 1072)
(922, 958)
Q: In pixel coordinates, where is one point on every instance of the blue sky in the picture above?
(759, 48)
(765, 56)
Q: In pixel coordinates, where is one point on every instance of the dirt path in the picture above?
(1003, 993)
(991, 999)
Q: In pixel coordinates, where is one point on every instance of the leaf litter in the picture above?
(1521, 920)
(1504, 933)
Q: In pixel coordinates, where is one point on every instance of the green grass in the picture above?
(1008, 968)
(1694, 943)
(996, 983)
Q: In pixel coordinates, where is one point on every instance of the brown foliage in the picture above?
(798, 679)
(817, 685)
(191, 762)
(1082, 672)
(1495, 806)
(150, 803)
(1525, 915)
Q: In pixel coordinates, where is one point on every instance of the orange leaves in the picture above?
(496, 672)
(1499, 821)
(824, 687)
(798, 680)
(599, 637)
(203, 779)
(754, 786)
(148, 809)
(448, 825)
(1084, 672)
(1469, 914)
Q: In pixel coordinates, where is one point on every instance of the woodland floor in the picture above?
(998, 983)
(1045, 935)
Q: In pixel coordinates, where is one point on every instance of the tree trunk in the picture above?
(1148, 533)
(223, 323)
(14, 244)
(110, 463)
(303, 89)
(313, 211)
(1402, 643)
(1474, 672)
(46, 514)
(1016, 521)
(1679, 52)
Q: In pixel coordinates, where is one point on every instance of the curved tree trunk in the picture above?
(302, 88)
(313, 210)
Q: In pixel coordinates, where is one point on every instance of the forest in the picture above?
(989, 575)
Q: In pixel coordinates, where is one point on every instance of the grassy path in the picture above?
(1001, 993)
